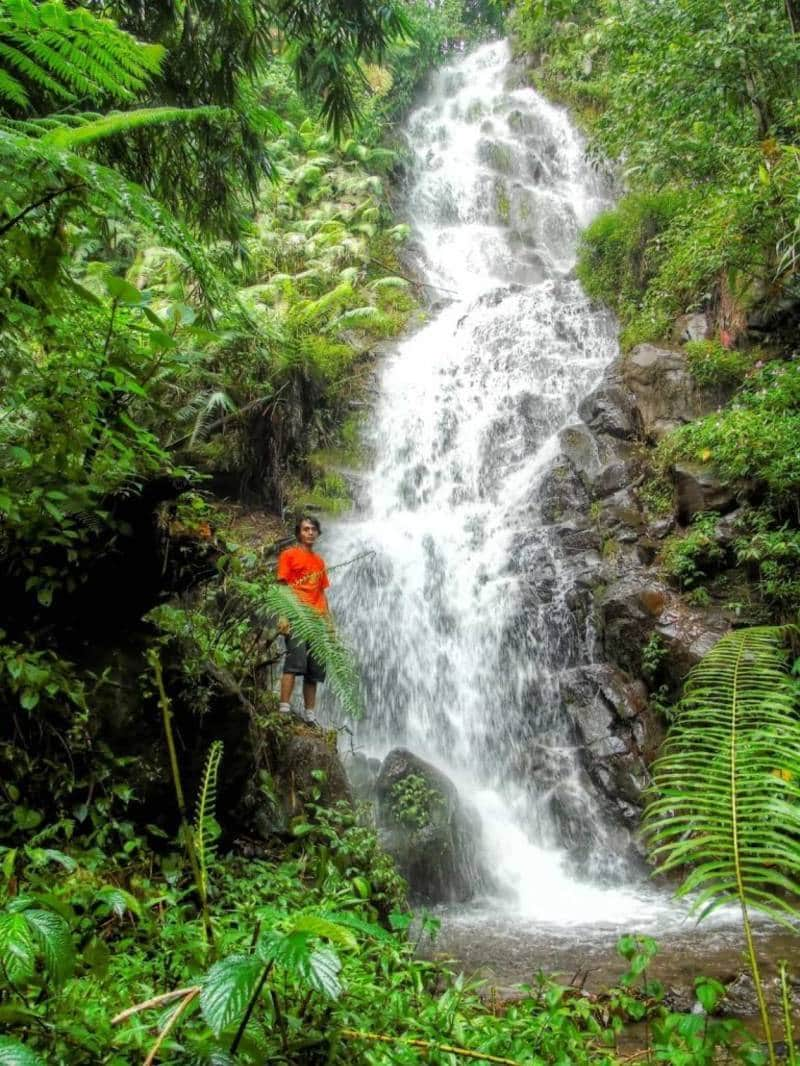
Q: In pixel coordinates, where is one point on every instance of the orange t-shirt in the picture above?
(305, 573)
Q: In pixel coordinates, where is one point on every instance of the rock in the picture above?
(562, 493)
(665, 392)
(616, 731)
(611, 409)
(699, 488)
(629, 609)
(436, 840)
(693, 327)
(581, 448)
(307, 762)
(613, 477)
(688, 633)
(362, 773)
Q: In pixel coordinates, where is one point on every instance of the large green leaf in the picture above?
(13, 1053)
(325, 927)
(227, 989)
(316, 967)
(727, 784)
(17, 947)
(55, 941)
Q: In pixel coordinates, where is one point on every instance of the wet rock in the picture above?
(687, 633)
(562, 493)
(699, 488)
(309, 762)
(611, 409)
(581, 448)
(629, 609)
(666, 394)
(616, 731)
(362, 772)
(436, 845)
(613, 477)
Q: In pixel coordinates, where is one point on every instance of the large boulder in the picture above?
(666, 394)
(434, 837)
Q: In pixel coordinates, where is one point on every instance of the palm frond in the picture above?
(727, 785)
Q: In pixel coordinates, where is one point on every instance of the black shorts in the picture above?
(301, 662)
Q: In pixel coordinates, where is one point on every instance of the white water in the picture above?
(462, 621)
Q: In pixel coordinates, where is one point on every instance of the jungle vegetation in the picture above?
(199, 254)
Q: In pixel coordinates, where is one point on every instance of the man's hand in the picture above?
(283, 626)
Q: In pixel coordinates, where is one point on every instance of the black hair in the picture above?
(307, 518)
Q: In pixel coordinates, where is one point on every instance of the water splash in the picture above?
(463, 620)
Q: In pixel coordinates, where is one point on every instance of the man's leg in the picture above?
(310, 694)
(287, 687)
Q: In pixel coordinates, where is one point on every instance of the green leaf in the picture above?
(326, 928)
(323, 972)
(122, 290)
(13, 1053)
(55, 941)
(718, 803)
(17, 947)
(227, 989)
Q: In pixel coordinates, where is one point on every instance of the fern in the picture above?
(205, 825)
(727, 785)
(120, 122)
(21, 156)
(65, 52)
(317, 631)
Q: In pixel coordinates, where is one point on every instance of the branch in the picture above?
(427, 1045)
(156, 1001)
(46, 199)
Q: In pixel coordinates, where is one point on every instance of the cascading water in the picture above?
(462, 621)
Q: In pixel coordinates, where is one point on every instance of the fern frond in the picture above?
(317, 631)
(205, 829)
(67, 52)
(21, 156)
(118, 122)
(727, 785)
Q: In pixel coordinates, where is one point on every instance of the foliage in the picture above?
(726, 784)
(697, 103)
(710, 363)
(690, 558)
(771, 552)
(754, 437)
(414, 802)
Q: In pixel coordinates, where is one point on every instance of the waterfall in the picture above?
(464, 618)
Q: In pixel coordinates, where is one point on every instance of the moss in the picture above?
(501, 201)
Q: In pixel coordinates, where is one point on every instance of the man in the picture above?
(305, 574)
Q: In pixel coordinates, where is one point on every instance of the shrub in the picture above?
(690, 558)
(712, 364)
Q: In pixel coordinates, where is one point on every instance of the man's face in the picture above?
(308, 534)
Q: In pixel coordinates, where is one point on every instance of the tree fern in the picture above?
(105, 189)
(120, 122)
(206, 829)
(727, 784)
(52, 50)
